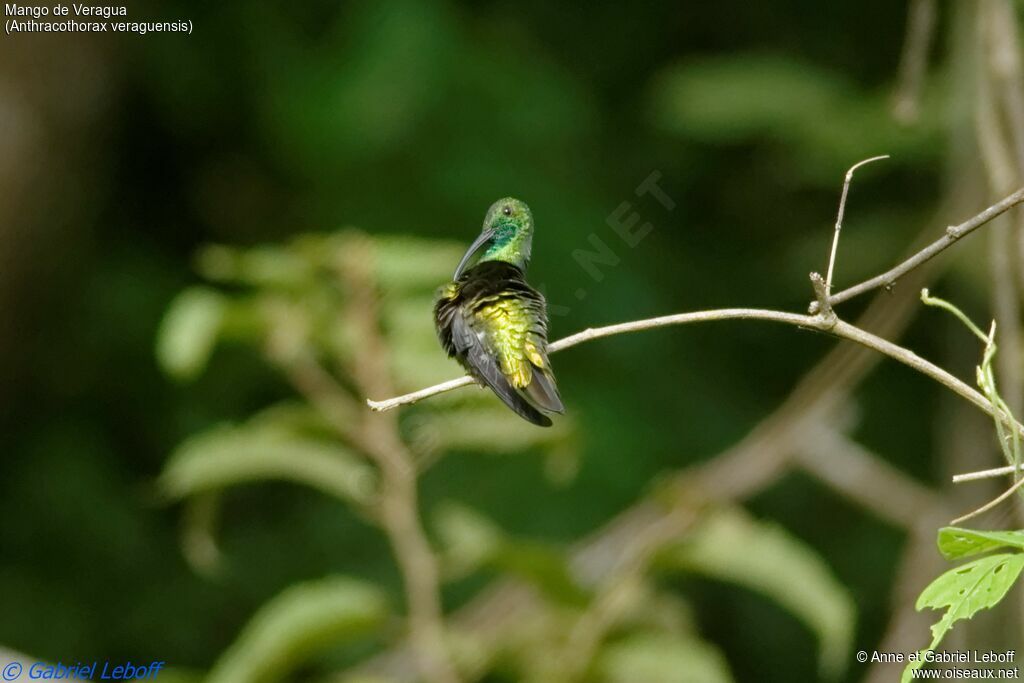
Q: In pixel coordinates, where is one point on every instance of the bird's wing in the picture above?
(542, 389)
(515, 327)
(473, 345)
(445, 310)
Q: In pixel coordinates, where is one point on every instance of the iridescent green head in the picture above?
(507, 235)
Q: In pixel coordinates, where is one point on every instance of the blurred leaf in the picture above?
(487, 428)
(297, 623)
(199, 533)
(471, 542)
(545, 567)
(293, 417)
(226, 456)
(662, 658)
(416, 357)
(412, 264)
(955, 542)
(469, 539)
(818, 114)
(271, 266)
(189, 332)
(562, 463)
(731, 546)
(965, 591)
(734, 97)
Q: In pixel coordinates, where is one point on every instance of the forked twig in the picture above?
(952, 234)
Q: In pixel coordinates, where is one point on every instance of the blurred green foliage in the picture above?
(406, 120)
(291, 303)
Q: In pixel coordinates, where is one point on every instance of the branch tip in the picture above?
(839, 217)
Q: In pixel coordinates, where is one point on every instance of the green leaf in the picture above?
(269, 266)
(300, 621)
(735, 97)
(414, 264)
(472, 542)
(545, 567)
(662, 658)
(820, 117)
(955, 543)
(731, 546)
(487, 427)
(469, 539)
(226, 456)
(964, 591)
(189, 332)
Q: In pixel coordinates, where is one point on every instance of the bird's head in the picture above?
(507, 235)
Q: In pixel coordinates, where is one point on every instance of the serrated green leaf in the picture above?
(226, 456)
(300, 621)
(731, 546)
(188, 332)
(662, 658)
(963, 592)
(971, 587)
(955, 543)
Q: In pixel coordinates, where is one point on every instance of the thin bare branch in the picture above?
(839, 218)
(987, 474)
(991, 504)
(415, 396)
(832, 326)
(597, 333)
(952, 234)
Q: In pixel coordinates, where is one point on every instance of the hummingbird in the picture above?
(493, 323)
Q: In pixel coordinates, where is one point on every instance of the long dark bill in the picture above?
(477, 245)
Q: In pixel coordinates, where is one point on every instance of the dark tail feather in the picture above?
(513, 400)
(543, 392)
(486, 368)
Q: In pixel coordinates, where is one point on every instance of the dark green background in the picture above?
(277, 118)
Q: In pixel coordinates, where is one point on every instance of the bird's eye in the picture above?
(507, 211)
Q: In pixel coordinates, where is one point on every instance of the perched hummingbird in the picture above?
(493, 323)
